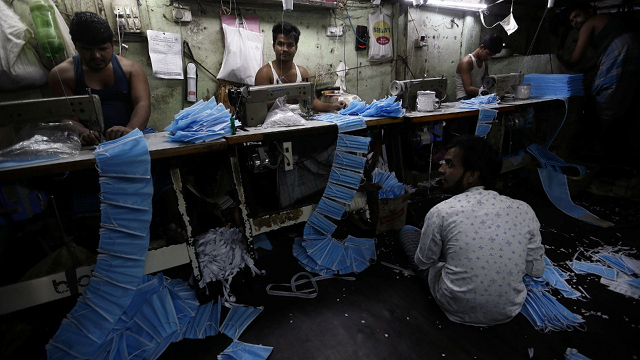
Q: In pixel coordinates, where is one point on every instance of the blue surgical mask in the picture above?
(321, 223)
(349, 161)
(345, 178)
(597, 269)
(357, 144)
(330, 208)
(339, 193)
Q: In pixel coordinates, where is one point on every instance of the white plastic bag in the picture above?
(242, 55)
(380, 44)
(281, 115)
(20, 66)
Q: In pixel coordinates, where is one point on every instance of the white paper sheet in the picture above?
(165, 51)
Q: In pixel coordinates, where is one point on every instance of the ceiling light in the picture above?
(460, 5)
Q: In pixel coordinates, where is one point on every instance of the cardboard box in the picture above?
(387, 214)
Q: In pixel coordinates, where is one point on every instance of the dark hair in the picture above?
(90, 29)
(493, 43)
(584, 6)
(479, 155)
(286, 29)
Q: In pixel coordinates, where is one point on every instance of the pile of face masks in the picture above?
(345, 123)
(544, 312)
(479, 102)
(202, 121)
(555, 85)
(618, 272)
(391, 188)
(387, 107)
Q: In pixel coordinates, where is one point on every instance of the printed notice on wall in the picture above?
(165, 51)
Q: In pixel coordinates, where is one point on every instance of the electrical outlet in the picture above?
(127, 16)
(181, 14)
(335, 31)
(421, 42)
(287, 156)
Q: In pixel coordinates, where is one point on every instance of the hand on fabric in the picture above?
(482, 91)
(91, 137)
(116, 132)
(339, 105)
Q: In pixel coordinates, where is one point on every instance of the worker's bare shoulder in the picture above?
(129, 66)
(64, 67)
(264, 76)
(465, 64)
(303, 72)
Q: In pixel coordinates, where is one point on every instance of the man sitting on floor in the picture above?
(476, 246)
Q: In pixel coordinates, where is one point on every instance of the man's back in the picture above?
(488, 242)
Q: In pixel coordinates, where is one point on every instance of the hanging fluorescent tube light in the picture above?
(459, 5)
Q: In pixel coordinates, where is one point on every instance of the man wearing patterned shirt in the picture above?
(478, 244)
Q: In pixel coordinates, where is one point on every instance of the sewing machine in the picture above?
(252, 100)
(502, 84)
(86, 108)
(407, 90)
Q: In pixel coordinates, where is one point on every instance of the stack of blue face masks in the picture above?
(555, 85)
(544, 312)
(345, 123)
(202, 121)
(479, 102)
(391, 187)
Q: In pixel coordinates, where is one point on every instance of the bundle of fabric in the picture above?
(555, 85)
(202, 121)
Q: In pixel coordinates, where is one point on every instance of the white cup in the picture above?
(426, 101)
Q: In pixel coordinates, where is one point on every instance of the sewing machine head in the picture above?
(86, 108)
(252, 100)
(502, 84)
(407, 90)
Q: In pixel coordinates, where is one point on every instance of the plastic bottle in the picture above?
(47, 31)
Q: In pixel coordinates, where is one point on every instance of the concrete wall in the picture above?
(450, 34)
(319, 54)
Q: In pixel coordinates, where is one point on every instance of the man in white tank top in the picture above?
(473, 68)
(283, 70)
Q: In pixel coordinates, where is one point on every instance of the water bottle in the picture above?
(47, 31)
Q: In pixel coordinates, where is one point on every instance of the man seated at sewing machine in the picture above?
(473, 68)
(283, 70)
(120, 83)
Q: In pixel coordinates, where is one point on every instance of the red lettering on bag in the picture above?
(383, 40)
